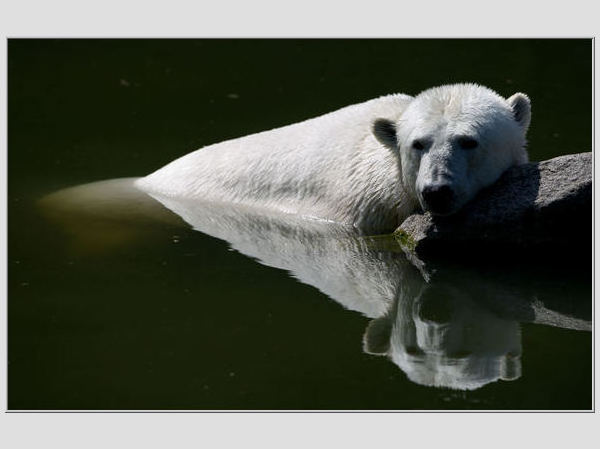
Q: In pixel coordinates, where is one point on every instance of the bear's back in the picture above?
(286, 160)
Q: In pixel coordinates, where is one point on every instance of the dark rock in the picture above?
(537, 208)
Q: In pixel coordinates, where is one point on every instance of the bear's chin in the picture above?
(442, 214)
(445, 212)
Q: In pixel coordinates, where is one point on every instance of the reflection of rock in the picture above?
(532, 205)
(457, 329)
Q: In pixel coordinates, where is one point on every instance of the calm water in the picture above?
(116, 302)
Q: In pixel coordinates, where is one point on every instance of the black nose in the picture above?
(438, 198)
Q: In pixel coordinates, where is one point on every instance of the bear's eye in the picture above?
(418, 145)
(467, 143)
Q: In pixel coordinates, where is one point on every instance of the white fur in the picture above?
(333, 167)
(439, 117)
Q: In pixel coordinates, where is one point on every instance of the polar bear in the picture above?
(369, 165)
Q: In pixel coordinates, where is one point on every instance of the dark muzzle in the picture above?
(438, 199)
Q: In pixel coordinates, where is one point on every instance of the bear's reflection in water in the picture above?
(439, 336)
(457, 329)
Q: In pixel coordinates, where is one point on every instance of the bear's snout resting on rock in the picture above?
(370, 164)
(455, 140)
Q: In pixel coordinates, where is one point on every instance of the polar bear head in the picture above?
(455, 140)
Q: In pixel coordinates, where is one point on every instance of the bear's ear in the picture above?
(385, 132)
(376, 339)
(521, 107)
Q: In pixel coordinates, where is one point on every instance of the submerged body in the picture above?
(359, 165)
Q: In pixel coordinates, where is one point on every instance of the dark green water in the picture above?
(120, 305)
